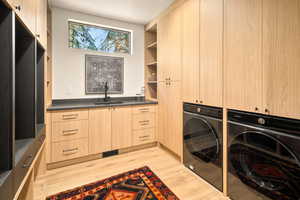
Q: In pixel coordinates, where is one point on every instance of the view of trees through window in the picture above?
(96, 38)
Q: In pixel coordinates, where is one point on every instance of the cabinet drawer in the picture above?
(69, 130)
(70, 115)
(68, 150)
(143, 121)
(143, 136)
(143, 109)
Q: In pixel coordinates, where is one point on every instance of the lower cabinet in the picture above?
(78, 133)
(100, 130)
(121, 127)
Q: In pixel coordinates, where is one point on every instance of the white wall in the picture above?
(69, 63)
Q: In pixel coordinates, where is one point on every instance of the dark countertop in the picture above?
(68, 104)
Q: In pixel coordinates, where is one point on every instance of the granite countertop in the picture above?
(67, 104)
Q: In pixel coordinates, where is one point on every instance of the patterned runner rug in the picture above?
(138, 184)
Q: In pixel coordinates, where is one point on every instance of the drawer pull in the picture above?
(70, 151)
(145, 136)
(144, 109)
(144, 121)
(70, 132)
(28, 161)
(68, 117)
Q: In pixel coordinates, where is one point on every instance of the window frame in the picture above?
(105, 27)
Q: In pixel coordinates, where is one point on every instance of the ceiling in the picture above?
(134, 11)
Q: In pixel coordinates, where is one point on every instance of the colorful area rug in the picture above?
(138, 184)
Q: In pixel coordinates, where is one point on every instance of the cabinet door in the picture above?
(281, 58)
(190, 51)
(121, 127)
(243, 55)
(42, 22)
(169, 46)
(162, 112)
(211, 52)
(174, 118)
(100, 130)
(29, 14)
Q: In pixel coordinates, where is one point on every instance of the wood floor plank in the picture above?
(185, 184)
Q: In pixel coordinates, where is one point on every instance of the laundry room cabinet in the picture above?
(170, 116)
(281, 58)
(262, 48)
(243, 55)
(169, 46)
(202, 51)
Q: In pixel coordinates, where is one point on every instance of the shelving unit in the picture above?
(151, 62)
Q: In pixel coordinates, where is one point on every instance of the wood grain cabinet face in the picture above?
(281, 58)
(169, 46)
(190, 51)
(243, 55)
(211, 52)
(71, 130)
(41, 22)
(100, 138)
(121, 127)
(170, 116)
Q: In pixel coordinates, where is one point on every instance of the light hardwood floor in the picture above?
(180, 180)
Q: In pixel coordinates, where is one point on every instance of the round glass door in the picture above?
(201, 140)
(264, 163)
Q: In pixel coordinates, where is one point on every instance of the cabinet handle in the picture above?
(38, 35)
(267, 110)
(256, 109)
(28, 161)
(201, 101)
(72, 116)
(196, 101)
(18, 8)
(144, 109)
(70, 132)
(70, 151)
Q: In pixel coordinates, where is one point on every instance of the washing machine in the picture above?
(263, 157)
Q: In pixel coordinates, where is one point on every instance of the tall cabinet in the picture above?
(262, 60)
(281, 58)
(243, 55)
(202, 52)
(169, 81)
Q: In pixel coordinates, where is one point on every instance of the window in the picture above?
(97, 38)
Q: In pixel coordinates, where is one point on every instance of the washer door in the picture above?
(265, 164)
(201, 140)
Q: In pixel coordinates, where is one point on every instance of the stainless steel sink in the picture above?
(108, 102)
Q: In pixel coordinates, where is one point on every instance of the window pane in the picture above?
(96, 38)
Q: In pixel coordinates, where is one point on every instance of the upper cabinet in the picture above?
(190, 51)
(281, 57)
(26, 10)
(211, 52)
(33, 14)
(243, 55)
(202, 51)
(41, 22)
(169, 46)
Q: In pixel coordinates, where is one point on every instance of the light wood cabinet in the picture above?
(26, 10)
(281, 58)
(100, 138)
(243, 55)
(41, 22)
(170, 116)
(169, 46)
(122, 127)
(211, 52)
(191, 51)
(202, 51)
